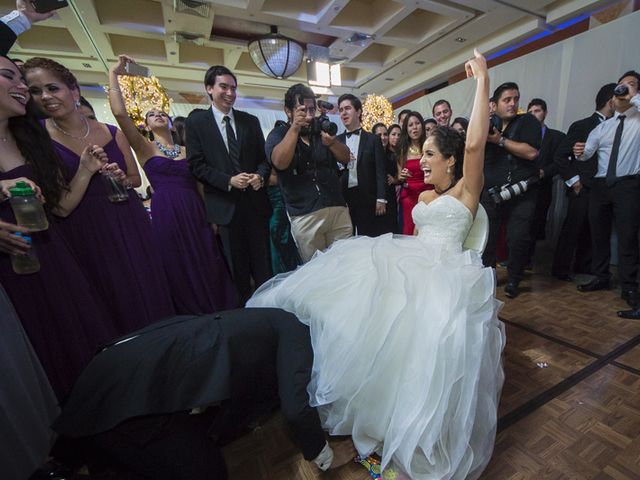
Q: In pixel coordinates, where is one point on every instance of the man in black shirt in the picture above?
(305, 162)
(512, 147)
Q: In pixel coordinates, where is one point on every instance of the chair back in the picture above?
(478, 233)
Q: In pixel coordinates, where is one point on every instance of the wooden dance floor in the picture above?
(570, 406)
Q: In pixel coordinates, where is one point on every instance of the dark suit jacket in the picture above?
(370, 167)
(550, 143)
(7, 39)
(210, 163)
(184, 362)
(568, 166)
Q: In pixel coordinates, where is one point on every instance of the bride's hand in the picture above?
(477, 66)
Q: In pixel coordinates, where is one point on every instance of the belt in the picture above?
(624, 177)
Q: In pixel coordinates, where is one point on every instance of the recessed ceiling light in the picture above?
(389, 79)
(460, 39)
(86, 65)
(420, 62)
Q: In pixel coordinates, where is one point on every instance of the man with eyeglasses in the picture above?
(305, 161)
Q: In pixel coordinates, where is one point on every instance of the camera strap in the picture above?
(513, 130)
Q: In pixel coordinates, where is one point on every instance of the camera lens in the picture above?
(621, 90)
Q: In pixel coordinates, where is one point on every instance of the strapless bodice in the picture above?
(445, 220)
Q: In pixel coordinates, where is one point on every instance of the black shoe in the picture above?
(511, 289)
(595, 284)
(631, 297)
(630, 314)
(564, 278)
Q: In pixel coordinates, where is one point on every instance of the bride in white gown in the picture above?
(407, 344)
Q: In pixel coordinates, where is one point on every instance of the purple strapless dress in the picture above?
(198, 275)
(115, 246)
(62, 314)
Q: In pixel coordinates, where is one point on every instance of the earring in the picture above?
(449, 169)
(78, 104)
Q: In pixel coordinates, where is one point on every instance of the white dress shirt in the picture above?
(218, 116)
(600, 141)
(353, 142)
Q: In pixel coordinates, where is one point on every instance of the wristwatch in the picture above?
(501, 141)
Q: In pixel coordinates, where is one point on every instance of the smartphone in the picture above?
(137, 70)
(44, 6)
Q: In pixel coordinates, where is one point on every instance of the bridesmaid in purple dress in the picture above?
(198, 275)
(113, 241)
(62, 315)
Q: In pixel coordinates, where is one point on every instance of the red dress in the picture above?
(414, 186)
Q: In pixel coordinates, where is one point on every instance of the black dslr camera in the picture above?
(495, 122)
(320, 123)
(507, 192)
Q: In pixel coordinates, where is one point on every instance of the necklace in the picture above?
(86, 134)
(451, 185)
(414, 151)
(173, 152)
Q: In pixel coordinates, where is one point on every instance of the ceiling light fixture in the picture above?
(276, 55)
(460, 39)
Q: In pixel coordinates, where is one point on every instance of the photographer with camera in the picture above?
(510, 177)
(615, 194)
(304, 153)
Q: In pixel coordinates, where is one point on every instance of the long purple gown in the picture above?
(115, 246)
(63, 316)
(198, 276)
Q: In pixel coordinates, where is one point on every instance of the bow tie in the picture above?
(355, 132)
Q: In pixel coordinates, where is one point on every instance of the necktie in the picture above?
(232, 142)
(355, 132)
(613, 158)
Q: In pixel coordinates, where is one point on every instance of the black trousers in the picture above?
(574, 244)
(363, 214)
(517, 213)
(245, 241)
(619, 203)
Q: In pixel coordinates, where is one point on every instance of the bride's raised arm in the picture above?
(472, 169)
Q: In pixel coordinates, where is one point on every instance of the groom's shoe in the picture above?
(595, 284)
(631, 297)
(511, 289)
(630, 314)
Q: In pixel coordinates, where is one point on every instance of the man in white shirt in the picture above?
(616, 190)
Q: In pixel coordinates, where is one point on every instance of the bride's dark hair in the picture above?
(450, 143)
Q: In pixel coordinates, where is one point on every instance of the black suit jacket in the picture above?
(184, 362)
(568, 166)
(370, 167)
(7, 39)
(209, 162)
(550, 143)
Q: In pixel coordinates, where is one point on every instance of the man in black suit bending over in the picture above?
(160, 402)
(225, 150)
(363, 181)
(575, 236)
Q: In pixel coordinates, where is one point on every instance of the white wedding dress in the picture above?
(407, 343)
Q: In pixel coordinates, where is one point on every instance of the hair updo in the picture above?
(450, 143)
(59, 70)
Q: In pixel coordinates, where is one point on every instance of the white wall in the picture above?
(566, 74)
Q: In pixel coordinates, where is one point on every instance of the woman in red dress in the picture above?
(410, 151)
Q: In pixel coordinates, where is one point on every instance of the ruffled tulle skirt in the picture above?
(407, 350)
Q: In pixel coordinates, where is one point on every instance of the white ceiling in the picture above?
(414, 41)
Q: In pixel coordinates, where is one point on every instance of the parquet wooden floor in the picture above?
(570, 406)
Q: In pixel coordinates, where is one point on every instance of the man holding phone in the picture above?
(225, 151)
